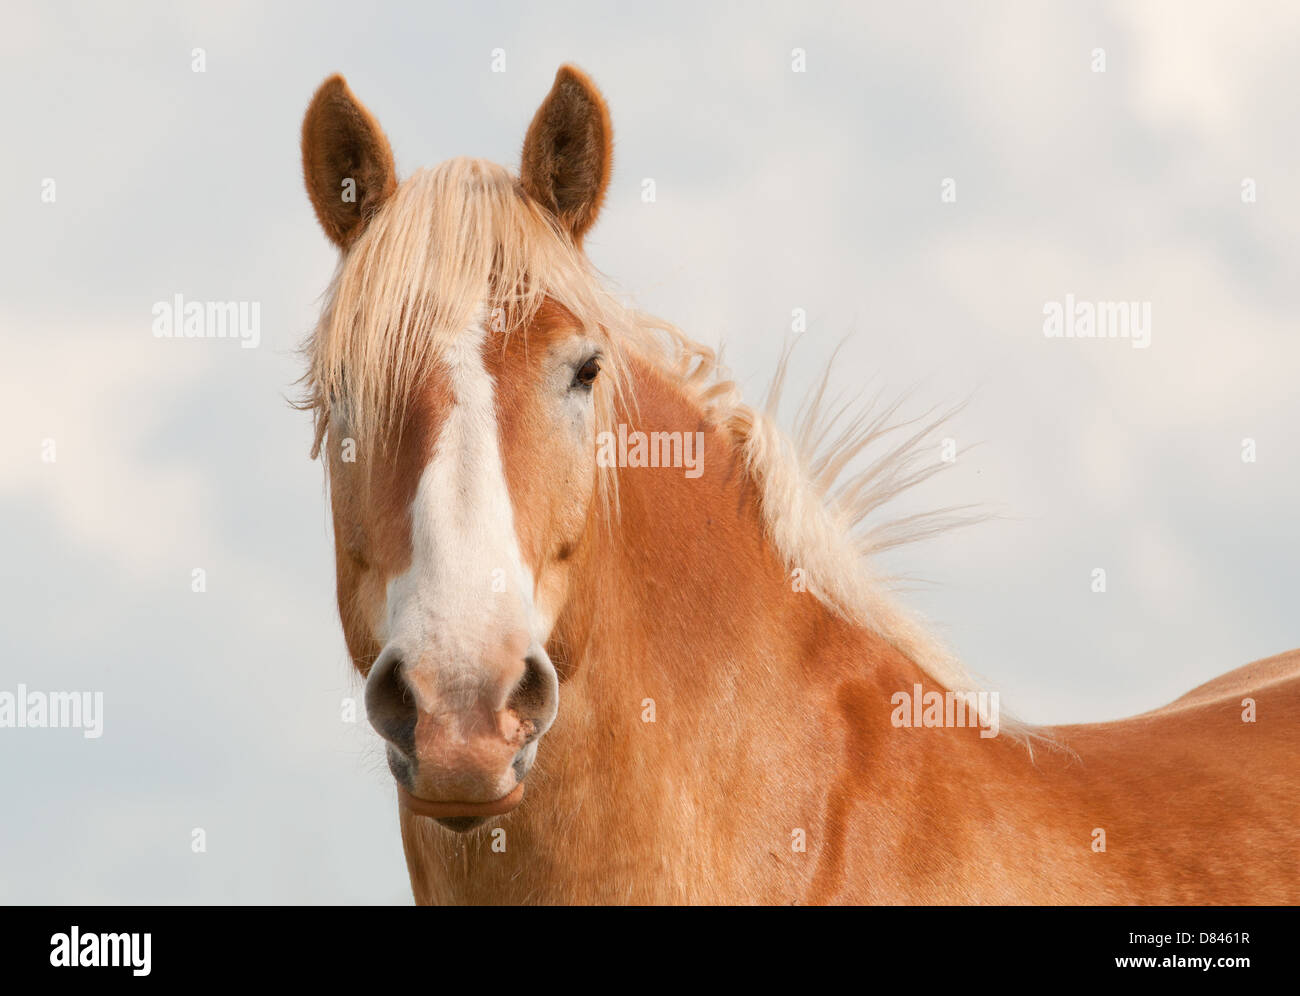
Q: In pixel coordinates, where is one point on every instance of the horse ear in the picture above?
(347, 163)
(568, 152)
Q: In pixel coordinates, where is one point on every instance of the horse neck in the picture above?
(711, 713)
(706, 698)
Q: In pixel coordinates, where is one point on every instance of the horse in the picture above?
(571, 559)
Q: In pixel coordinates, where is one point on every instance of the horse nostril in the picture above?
(533, 693)
(390, 704)
(526, 693)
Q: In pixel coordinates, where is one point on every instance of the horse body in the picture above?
(711, 668)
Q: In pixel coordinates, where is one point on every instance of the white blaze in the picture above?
(447, 614)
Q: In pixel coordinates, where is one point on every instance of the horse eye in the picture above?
(586, 374)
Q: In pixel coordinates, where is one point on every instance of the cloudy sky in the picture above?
(776, 190)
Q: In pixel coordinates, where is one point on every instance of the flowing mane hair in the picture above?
(461, 238)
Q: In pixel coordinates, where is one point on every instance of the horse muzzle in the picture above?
(460, 757)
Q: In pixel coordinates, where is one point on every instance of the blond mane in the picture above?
(457, 236)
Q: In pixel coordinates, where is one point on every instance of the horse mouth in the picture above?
(460, 815)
